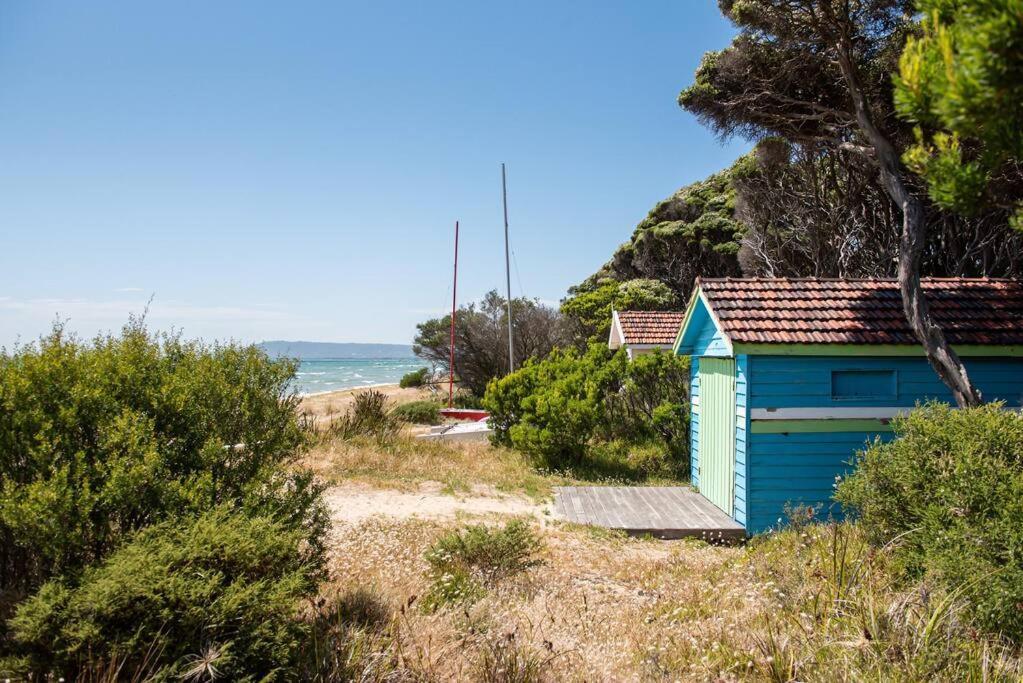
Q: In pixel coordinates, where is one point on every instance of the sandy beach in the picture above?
(327, 404)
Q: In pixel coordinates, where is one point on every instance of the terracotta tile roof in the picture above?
(650, 327)
(971, 311)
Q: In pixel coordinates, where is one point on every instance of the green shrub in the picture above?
(550, 409)
(949, 488)
(465, 561)
(418, 412)
(465, 399)
(102, 439)
(416, 378)
(653, 404)
(224, 583)
(368, 416)
(555, 408)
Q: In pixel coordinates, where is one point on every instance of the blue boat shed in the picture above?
(791, 377)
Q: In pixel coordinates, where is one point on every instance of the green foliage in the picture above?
(416, 378)
(418, 412)
(962, 77)
(551, 408)
(839, 609)
(100, 440)
(466, 399)
(654, 404)
(368, 416)
(464, 562)
(224, 582)
(692, 233)
(481, 338)
(950, 489)
(554, 409)
(591, 310)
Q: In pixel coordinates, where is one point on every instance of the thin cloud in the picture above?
(129, 289)
(77, 307)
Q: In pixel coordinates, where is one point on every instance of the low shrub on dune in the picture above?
(464, 562)
(948, 494)
(151, 506)
(416, 378)
(369, 415)
(418, 412)
(223, 587)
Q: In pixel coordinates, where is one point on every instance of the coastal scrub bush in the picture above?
(464, 562)
(369, 415)
(949, 488)
(225, 586)
(553, 409)
(418, 412)
(416, 378)
(590, 309)
(653, 404)
(102, 439)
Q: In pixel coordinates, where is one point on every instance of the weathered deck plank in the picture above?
(661, 511)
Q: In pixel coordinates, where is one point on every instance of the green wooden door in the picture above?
(717, 431)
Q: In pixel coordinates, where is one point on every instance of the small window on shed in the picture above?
(850, 385)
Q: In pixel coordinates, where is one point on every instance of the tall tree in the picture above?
(962, 77)
(589, 310)
(818, 72)
(481, 338)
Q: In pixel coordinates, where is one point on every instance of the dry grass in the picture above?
(592, 611)
(405, 463)
(810, 605)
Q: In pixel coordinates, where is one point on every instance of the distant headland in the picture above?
(307, 350)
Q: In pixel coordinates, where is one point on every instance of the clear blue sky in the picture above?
(293, 170)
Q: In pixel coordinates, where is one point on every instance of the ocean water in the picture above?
(317, 376)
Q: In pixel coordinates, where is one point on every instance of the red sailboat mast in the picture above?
(454, 299)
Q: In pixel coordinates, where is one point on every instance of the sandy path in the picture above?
(354, 503)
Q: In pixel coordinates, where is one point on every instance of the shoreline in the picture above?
(324, 404)
(358, 388)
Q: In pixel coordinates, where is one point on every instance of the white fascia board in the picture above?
(833, 413)
(616, 326)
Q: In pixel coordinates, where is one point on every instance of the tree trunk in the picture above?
(940, 354)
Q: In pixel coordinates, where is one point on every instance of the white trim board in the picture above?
(880, 413)
(616, 338)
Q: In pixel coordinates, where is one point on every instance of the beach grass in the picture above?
(810, 604)
(404, 462)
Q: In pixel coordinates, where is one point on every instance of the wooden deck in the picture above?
(660, 511)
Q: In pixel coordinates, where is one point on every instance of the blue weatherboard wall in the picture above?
(794, 468)
(742, 436)
(806, 381)
(799, 467)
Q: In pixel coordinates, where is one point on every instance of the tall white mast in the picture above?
(507, 273)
